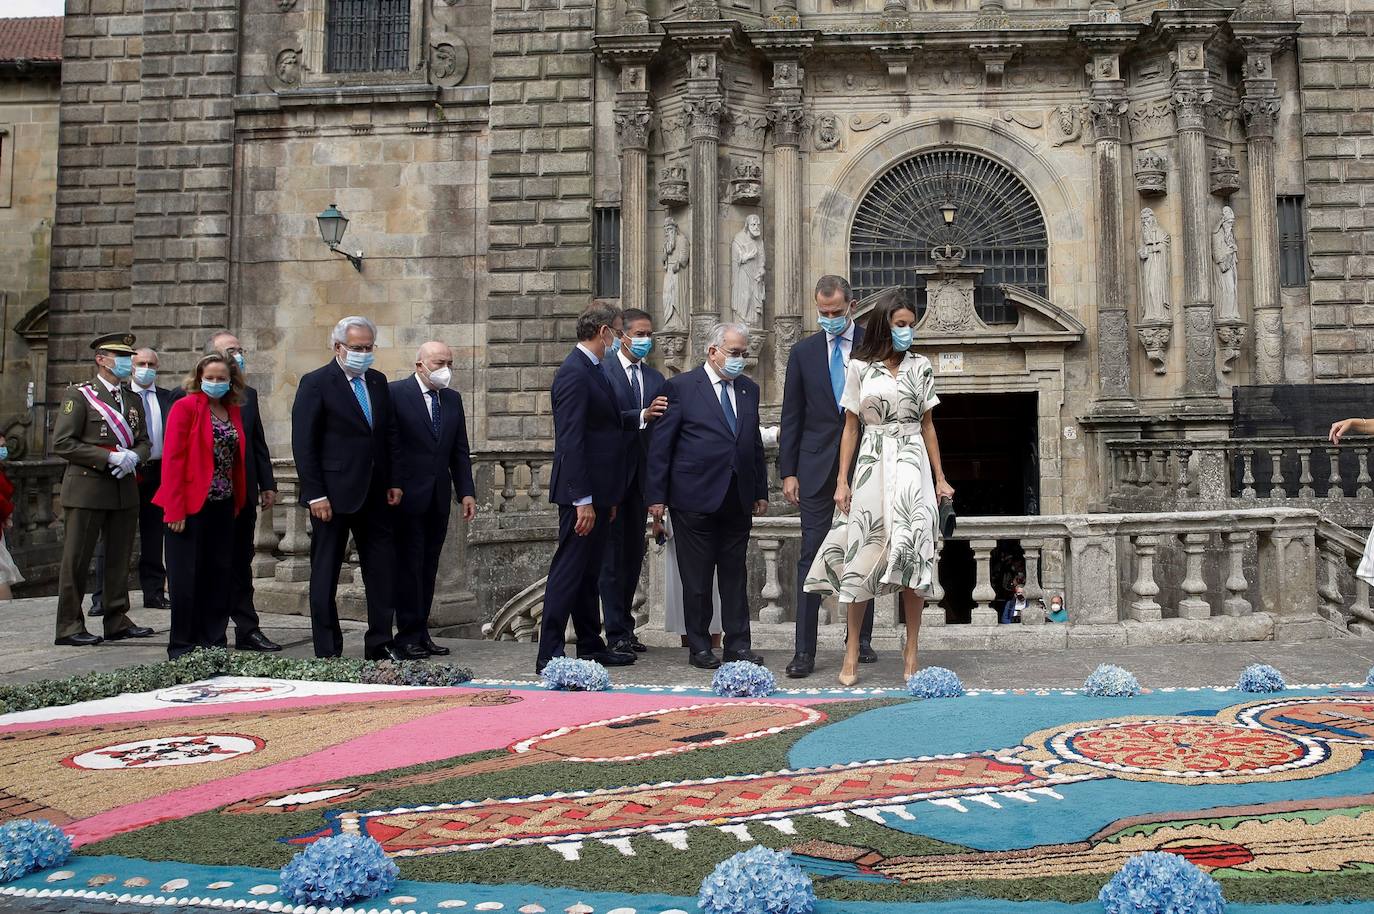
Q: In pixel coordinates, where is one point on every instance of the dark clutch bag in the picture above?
(947, 517)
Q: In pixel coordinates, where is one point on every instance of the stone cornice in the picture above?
(778, 44)
(618, 50)
(944, 40)
(1107, 37)
(1172, 26)
(1272, 37)
(708, 35)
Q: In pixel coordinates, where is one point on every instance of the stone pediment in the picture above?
(1039, 321)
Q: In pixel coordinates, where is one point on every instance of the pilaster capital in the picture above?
(1259, 112)
(1105, 114)
(788, 121)
(704, 114)
(1189, 97)
(633, 126)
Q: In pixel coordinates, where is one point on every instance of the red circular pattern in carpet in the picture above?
(1185, 748)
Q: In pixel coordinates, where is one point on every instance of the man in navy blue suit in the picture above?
(706, 464)
(809, 450)
(639, 390)
(587, 483)
(343, 441)
(435, 463)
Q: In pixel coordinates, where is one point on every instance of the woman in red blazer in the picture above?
(203, 488)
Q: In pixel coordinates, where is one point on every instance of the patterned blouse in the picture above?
(224, 439)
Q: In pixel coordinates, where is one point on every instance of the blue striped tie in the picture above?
(435, 423)
(360, 392)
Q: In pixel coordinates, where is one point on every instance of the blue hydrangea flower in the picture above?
(1260, 677)
(1159, 883)
(29, 845)
(1108, 681)
(338, 870)
(570, 675)
(757, 881)
(1369, 678)
(934, 682)
(742, 679)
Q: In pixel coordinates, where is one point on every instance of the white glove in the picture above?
(122, 462)
(120, 471)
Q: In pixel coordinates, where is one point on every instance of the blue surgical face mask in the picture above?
(901, 338)
(358, 361)
(145, 376)
(614, 347)
(640, 346)
(214, 389)
(123, 366)
(4, 452)
(834, 325)
(239, 360)
(734, 366)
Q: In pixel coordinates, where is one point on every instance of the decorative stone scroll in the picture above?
(672, 186)
(448, 60)
(746, 184)
(1151, 174)
(1225, 173)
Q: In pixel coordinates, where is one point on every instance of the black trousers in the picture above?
(571, 588)
(198, 563)
(621, 566)
(817, 514)
(241, 608)
(371, 529)
(419, 544)
(710, 547)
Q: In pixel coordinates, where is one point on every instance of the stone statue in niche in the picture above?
(827, 131)
(1224, 250)
(746, 272)
(676, 256)
(1154, 270)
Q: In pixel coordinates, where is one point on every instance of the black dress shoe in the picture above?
(539, 667)
(746, 656)
(80, 639)
(639, 647)
(133, 631)
(704, 660)
(438, 650)
(256, 641)
(866, 653)
(96, 611)
(387, 652)
(156, 602)
(802, 665)
(628, 646)
(609, 658)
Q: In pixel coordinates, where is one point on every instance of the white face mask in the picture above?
(440, 377)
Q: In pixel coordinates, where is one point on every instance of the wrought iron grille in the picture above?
(996, 220)
(366, 36)
(606, 250)
(1292, 243)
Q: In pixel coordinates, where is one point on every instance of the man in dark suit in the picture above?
(435, 464)
(639, 391)
(706, 464)
(261, 489)
(344, 444)
(809, 451)
(587, 483)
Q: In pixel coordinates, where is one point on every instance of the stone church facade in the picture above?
(1109, 214)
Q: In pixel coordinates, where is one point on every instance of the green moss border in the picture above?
(205, 664)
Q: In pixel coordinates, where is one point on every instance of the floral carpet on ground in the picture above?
(508, 797)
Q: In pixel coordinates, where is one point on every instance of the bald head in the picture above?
(145, 358)
(434, 364)
(434, 350)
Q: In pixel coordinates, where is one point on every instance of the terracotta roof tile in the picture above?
(37, 38)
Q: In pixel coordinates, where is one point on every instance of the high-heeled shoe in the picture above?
(849, 679)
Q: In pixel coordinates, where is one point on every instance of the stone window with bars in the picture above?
(367, 36)
(1292, 243)
(606, 251)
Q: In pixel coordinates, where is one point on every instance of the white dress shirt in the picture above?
(715, 388)
(633, 368)
(425, 391)
(845, 341)
(153, 416)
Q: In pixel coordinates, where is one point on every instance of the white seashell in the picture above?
(219, 885)
(403, 899)
(135, 882)
(175, 885)
(579, 908)
(263, 890)
(452, 903)
(488, 906)
(622, 911)
(100, 879)
(531, 909)
(60, 876)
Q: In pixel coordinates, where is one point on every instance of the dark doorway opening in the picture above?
(990, 449)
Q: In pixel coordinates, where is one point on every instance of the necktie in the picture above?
(728, 407)
(837, 371)
(154, 433)
(360, 391)
(635, 389)
(434, 421)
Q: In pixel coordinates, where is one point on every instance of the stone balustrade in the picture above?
(35, 539)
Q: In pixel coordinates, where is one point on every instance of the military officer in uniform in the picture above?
(101, 432)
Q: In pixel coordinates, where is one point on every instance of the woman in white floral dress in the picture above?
(883, 536)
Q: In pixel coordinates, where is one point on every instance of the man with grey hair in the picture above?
(261, 490)
(344, 443)
(706, 465)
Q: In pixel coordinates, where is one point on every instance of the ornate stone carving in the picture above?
(1259, 112)
(1104, 11)
(1224, 251)
(448, 61)
(1155, 339)
(1190, 107)
(676, 258)
(747, 263)
(1114, 359)
(672, 186)
(827, 131)
(701, 332)
(1149, 117)
(286, 5)
(1230, 339)
(704, 113)
(949, 294)
(1269, 340)
(287, 67)
(1151, 172)
(787, 122)
(949, 256)
(746, 184)
(1153, 251)
(1225, 173)
(1066, 125)
(748, 129)
(632, 127)
(1031, 120)
(858, 123)
(702, 10)
(1201, 349)
(1105, 116)
(1254, 10)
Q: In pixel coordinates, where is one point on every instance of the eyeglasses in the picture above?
(367, 348)
(735, 353)
(234, 350)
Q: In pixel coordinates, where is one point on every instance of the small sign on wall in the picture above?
(951, 363)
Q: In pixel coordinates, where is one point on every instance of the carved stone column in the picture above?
(1190, 30)
(1259, 107)
(705, 108)
(632, 127)
(1107, 104)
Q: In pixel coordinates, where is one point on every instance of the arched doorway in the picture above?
(957, 197)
